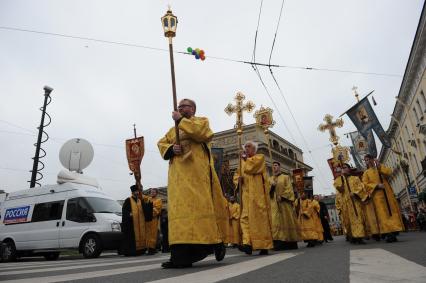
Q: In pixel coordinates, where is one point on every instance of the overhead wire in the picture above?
(127, 44)
(321, 174)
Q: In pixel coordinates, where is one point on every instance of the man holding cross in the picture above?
(198, 217)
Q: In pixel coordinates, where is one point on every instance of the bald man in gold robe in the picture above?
(255, 220)
(198, 217)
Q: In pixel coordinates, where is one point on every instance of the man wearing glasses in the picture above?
(196, 207)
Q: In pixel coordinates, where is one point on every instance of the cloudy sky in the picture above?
(101, 89)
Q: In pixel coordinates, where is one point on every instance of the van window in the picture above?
(78, 210)
(47, 211)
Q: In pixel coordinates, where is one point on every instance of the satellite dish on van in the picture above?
(76, 154)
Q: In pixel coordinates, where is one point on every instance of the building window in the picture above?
(423, 99)
(419, 108)
(416, 115)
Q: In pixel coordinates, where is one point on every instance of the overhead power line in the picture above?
(127, 44)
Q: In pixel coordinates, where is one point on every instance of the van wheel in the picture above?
(8, 251)
(91, 246)
(52, 256)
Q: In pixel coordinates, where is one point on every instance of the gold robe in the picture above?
(234, 222)
(138, 223)
(255, 219)
(341, 209)
(354, 210)
(284, 220)
(318, 225)
(196, 206)
(152, 226)
(308, 224)
(385, 221)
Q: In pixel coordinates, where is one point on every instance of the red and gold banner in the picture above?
(334, 167)
(135, 149)
(298, 175)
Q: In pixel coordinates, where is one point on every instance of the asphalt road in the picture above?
(337, 261)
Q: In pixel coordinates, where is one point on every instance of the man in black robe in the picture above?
(133, 225)
(324, 219)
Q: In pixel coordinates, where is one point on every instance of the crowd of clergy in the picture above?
(264, 212)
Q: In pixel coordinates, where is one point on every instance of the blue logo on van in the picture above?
(16, 215)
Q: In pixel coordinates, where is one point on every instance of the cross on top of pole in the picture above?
(355, 90)
(331, 127)
(238, 109)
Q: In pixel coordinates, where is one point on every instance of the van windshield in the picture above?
(102, 205)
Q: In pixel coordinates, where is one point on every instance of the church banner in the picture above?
(135, 149)
(299, 183)
(335, 168)
(357, 159)
(365, 120)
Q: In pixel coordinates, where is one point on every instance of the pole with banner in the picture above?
(135, 149)
(265, 121)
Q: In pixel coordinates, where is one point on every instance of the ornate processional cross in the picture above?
(238, 110)
(331, 126)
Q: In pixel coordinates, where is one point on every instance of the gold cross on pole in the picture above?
(355, 89)
(238, 109)
(331, 127)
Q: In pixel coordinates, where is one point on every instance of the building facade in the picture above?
(407, 129)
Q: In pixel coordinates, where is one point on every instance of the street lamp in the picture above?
(169, 22)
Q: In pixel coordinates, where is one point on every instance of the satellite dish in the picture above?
(76, 154)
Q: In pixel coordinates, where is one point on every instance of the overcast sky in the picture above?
(101, 89)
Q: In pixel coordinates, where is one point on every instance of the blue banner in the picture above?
(362, 146)
(365, 120)
(16, 215)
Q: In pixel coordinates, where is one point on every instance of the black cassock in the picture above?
(324, 221)
(128, 245)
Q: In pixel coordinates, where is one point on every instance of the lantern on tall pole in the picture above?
(169, 22)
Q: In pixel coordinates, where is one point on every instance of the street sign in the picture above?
(412, 191)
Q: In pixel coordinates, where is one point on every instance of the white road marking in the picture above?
(378, 265)
(228, 271)
(62, 268)
(117, 259)
(92, 274)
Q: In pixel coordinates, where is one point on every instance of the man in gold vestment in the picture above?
(305, 211)
(386, 207)
(234, 221)
(316, 216)
(196, 206)
(352, 190)
(152, 226)
(285, 228)
(255, 217)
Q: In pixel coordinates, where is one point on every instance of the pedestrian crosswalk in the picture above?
(378, 265)
(365, 265)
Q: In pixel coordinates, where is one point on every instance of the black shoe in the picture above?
(152, 251)
(263, 252)
(246, 249)
(169, 264)
(310, 245)
(361, 242)
(219, 251)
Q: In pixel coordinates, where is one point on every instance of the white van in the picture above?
(74, 214)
